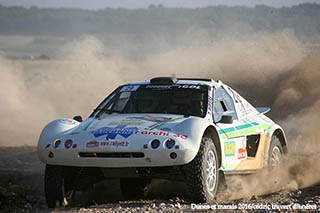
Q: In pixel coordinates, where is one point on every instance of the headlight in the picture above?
(155, 143)
(56, 143)
(68, 143)
(170, 143)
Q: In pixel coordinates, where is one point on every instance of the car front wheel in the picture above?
(58, 185)
(275, 152)
(202, 175)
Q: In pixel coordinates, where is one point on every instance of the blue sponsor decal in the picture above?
(112, 132)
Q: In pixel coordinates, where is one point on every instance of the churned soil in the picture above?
(21, 190)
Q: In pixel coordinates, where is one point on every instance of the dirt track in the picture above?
(21, 189)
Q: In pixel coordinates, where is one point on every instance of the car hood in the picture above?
(125, 125)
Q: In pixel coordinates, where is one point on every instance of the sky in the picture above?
(134, 4)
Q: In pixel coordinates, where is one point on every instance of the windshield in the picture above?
(170, 99)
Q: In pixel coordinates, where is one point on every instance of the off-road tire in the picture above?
(275, 152)
(133, 188)
(57, 183)
(196, 173)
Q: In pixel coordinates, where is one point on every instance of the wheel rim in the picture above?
(276, 156)
(211, 171)
(70, 194)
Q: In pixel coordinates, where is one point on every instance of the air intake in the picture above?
(196, 79)
(163, 80)
(111, 154)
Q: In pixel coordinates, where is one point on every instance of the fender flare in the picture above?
(195, 128)
(54, 129)
(279, 133)
(199, 127)
(212, 132)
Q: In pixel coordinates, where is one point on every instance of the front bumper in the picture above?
(116, 159)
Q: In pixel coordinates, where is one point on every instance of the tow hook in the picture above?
(50, 155)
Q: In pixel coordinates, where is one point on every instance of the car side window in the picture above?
(223, 105)
(108, 101)
(121, 101)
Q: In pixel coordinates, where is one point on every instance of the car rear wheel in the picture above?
(133, 188)
(202, 175)
(275, 152)
(58, 185)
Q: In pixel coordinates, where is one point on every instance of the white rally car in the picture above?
(192, 130)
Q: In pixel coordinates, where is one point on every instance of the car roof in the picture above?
(209, 82)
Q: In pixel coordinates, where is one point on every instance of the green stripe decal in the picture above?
(231, 129)
(266, 126)
(246, 129)
(224, 137)
(245, 126)
(233, 134)
(168, 122)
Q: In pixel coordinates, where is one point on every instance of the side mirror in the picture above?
(77, 118)
(226, 119)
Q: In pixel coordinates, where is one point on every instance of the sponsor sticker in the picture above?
(155, 133)
(129, 88)
(179, 86)
(165, 129)
(177, 135)
(115, 144)
(229, 165)
(128, 123)
(158, 87)
(187, 86)
(229, 148)
(92, 144)
(210, 103)
(156, 119)
(180, 136)
(68, 121)
(112, 132)
(171, 121)
(242, 153)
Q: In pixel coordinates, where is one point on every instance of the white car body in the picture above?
(124, 140)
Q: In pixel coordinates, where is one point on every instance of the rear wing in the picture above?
(263, 110)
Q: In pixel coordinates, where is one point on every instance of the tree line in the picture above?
(304, 19)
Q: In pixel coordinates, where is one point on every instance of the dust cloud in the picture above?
(32, 97)
(269, 69)
(36, 92)
(298, 99)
